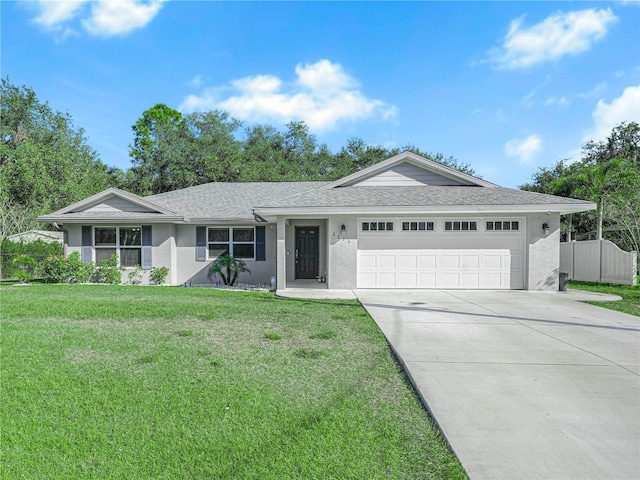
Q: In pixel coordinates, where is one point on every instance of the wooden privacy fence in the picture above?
(598, 261)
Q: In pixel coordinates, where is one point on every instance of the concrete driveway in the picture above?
(523, 384)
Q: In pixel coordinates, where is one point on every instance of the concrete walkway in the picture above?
(524, 385)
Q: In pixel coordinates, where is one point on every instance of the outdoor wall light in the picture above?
(545, 228)
(343, 229)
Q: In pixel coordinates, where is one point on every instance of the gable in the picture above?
(405, 174)
(116, 204)
(409, 169)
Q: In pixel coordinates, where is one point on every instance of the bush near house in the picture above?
(38, 250)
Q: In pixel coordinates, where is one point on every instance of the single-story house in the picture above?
(406, 222)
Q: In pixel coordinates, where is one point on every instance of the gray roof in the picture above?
(231, 200)
(427, 195)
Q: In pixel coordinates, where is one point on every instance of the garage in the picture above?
(441, 253)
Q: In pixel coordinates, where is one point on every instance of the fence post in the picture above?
(600, 260)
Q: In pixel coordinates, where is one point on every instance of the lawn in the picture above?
(630, 302)
(167, 382)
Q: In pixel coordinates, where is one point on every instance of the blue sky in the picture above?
(505, 86)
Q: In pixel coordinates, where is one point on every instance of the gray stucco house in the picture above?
(406, 222)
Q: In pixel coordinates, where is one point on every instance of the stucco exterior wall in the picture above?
(162, 238)
(342, 252)
(195, 273)
(543, 256)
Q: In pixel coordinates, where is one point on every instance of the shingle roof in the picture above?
(228, 200)
(428, 195)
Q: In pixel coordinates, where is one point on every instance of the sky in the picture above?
(507, 87)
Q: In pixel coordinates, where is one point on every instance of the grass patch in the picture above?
(630, 302)
(97, 384)
(184, 333)
(308, 353)
(272, 336)
(323, 335)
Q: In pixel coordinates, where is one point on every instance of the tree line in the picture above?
(46, 163)
(607, 174)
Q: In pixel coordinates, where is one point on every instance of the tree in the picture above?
(609, 175)
(171, 151)
(156, 136)
(45, 161)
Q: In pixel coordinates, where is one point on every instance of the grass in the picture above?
(137, 383)
(630, 302)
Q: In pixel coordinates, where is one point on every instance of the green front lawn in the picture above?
(630, 302)
(167, 382)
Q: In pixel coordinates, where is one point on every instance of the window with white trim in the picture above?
(236, 241)
(377, 226)
(126, 242)
(503, 225)
(418, 226)
(460, 226)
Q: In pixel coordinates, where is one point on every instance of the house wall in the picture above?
(342, 272)
(162, 256)
(543, 256)
(195, 273)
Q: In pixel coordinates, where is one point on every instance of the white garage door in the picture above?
(497, 266)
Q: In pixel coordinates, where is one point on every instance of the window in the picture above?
(461, 226)
(239, 242)
(377, 226)
(126, 242)
(503, 225)
(417, 226)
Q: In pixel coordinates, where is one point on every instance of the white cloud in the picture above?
(103, 18)
(558, 35)
(524, 149)
(625, 108)
(118, 17)
(53, 13)
(322, 95)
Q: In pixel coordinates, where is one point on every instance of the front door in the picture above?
(307, 256)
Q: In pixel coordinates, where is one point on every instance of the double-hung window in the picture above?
(124, 241)
(239, 242)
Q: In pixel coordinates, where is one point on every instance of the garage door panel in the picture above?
(470, 280)
(450, 261)
(407, 280)
(386, 261)
(492, 280)
(427, 280)
(470, 261)
(492, 261)
(367, 260)
(386, 280)
(408, 261)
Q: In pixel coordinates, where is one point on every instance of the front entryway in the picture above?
(307, 252)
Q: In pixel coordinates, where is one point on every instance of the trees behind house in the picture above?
(45, 161)
(609, 175)
(172, 151)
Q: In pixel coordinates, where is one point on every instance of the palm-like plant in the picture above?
(228, 268)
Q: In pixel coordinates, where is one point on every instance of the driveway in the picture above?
(523, 384)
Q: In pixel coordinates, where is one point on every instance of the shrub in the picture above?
(135, 277)
(109, 271)
(24, 266)
(38, 250)
(158, 275)
(70, 269)
(227, 267)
